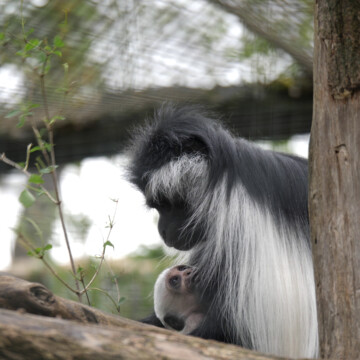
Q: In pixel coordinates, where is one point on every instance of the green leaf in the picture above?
(36, 179)
(32, 106)
(58, 53)
(47, 247)
(35, 148)
(122, 300)
(36, 227)
(22, 53)
(32, 44)
(47, 147)
(48, 170)
(58, 42)
(38, 250)
(56, 117)
(27, 198)
(12, 113)
(108, 243)
(22, 120)
(39, 163)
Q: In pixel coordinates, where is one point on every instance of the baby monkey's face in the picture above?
(176, 303)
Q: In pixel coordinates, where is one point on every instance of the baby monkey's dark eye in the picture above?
(175, 282)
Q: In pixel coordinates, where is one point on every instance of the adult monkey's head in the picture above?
(174, 163)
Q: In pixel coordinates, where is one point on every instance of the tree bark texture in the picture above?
(35, 298)
(334, 196)
(91, 334)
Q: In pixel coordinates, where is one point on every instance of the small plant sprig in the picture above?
(120, 300)
(42, 51)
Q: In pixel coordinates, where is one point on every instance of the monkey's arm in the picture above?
(152, 320)
(214, 328)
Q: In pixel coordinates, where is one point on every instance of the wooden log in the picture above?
(35, 298)
(93, 334)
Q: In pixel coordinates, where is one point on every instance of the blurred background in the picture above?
(250, 61)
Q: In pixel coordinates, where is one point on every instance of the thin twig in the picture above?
(115, 280)
(32, 248)
(86, 293)
(117, 307)
(102, 257)
(6, 160)
(52, 162)
(27, 157)
(41, 143)
(43, 91)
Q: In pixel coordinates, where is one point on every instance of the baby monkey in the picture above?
(176, 303)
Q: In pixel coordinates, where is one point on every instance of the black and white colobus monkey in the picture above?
(239, 216)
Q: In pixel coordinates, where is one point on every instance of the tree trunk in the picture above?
(94, 335)
(334, 196)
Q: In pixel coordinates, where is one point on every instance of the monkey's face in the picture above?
(175, 300)
(172, 220)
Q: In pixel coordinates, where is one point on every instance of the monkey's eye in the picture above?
(175, 281)
(159, 204)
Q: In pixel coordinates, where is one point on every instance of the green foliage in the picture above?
(26, 198)
(46, 145)
(30, 44)
(108, 243)
(40, 251)
(38, 53)
(58, 42)
(36, 179)
(24, 112)
(48, 170)
(135, 278)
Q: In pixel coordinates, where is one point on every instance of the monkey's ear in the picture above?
(174, 322)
